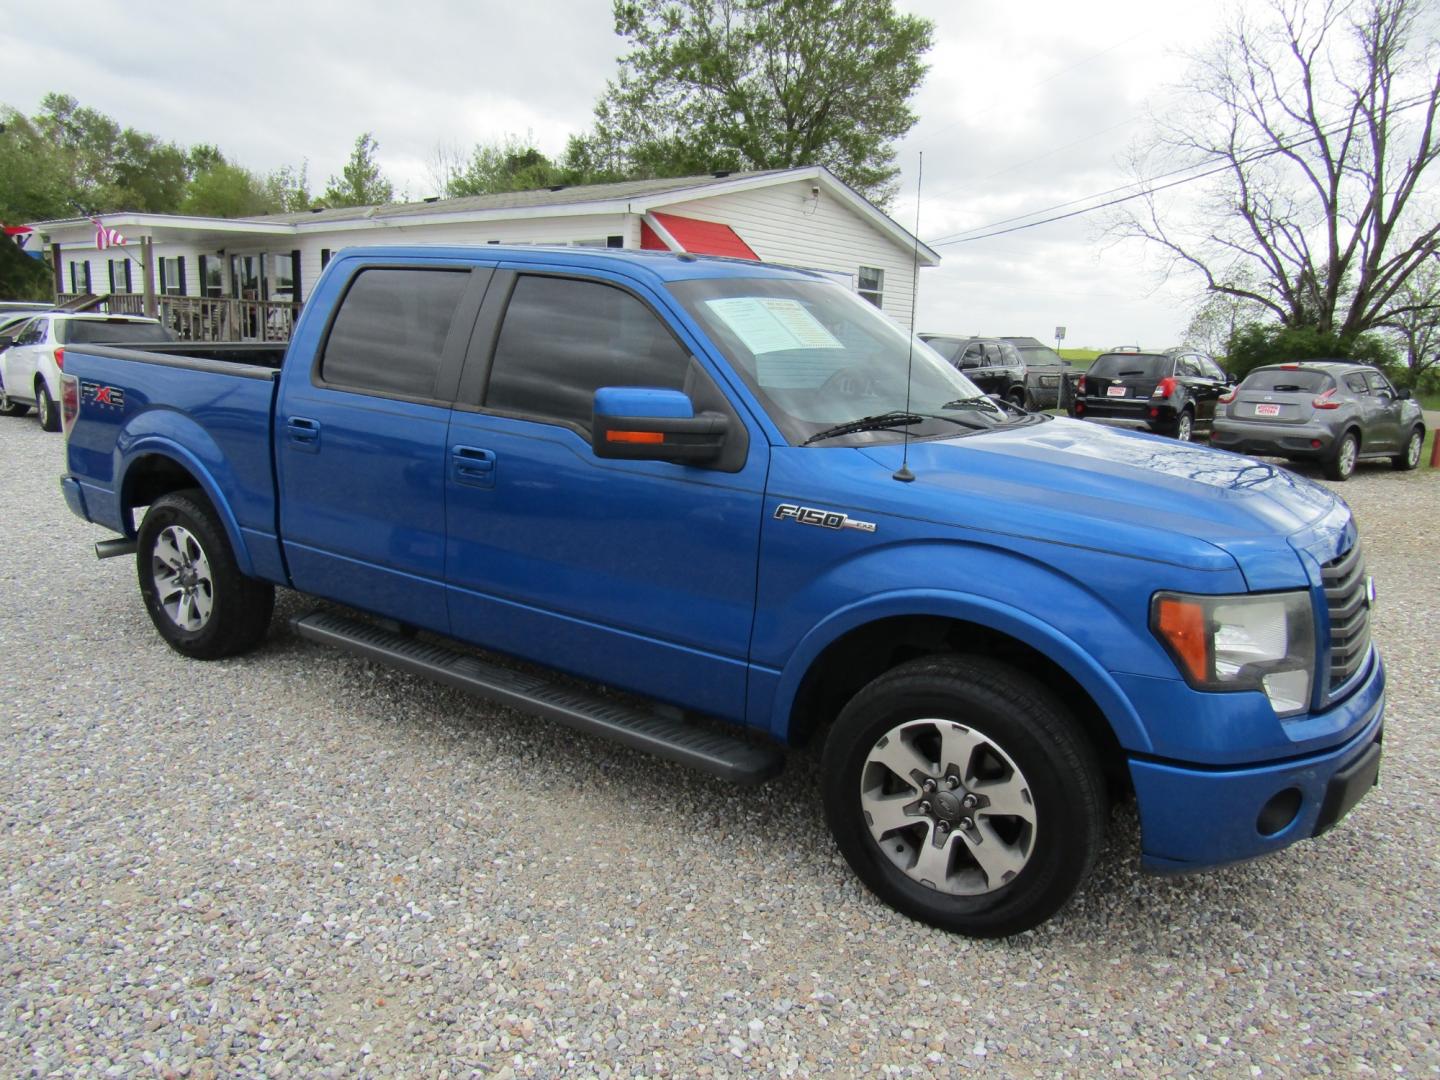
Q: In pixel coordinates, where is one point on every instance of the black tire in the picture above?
(236, 609)
(1050, 763)
(10, 407)
(1184, 427)
(1019, 398)
(1340, 466)
(1409, 457)
(45, 410)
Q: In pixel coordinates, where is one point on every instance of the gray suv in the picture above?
(1336, 412)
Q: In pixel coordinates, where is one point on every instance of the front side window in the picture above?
(389, 334)
(1379, 384)
(564, 338)
(870, 283)
(818, 357)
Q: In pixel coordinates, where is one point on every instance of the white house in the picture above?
(241, 278)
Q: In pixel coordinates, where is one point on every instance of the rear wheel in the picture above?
(1342, 463)
(1409, 456)
(1185, 425)
(45, 409)
(196, 596)
(961, 792)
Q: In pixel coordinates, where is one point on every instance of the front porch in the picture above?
(199, 318)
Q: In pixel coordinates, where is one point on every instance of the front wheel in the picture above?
(1409, 457)
(962, 793)
(196, 596)
(45, 409)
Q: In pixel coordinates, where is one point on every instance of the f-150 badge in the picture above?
(825, 519)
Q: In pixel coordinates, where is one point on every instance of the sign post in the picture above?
(1059, 337)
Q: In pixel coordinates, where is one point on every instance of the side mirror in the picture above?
(1230, 379)
(1403, 394)
(649, 424)
(6, 341)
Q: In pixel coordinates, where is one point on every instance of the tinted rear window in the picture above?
(1293, 382)
(1137, 365)
(947, 347)
(105, 332)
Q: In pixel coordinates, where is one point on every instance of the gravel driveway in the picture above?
(300, 863)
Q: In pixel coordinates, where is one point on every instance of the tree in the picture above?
(1418, 326)
(512, 164)
(758, 84)
(110, 167)
(1217, 319)
(1257, 344)
(36, 183)
(1319, 123)
(361, 182)
(21, 277)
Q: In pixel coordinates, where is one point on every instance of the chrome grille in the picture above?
(1346, 597)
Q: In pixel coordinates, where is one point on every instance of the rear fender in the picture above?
(200, 463)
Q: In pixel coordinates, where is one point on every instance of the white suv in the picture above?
(30, 369)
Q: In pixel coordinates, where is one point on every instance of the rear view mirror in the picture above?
(651, 424)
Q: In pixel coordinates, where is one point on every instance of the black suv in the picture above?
(1047, 374)
(993, 365)
(1171, 392)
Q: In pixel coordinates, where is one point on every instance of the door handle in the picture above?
(304, 432)
(473, 465)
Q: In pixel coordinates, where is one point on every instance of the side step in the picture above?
(725, 756)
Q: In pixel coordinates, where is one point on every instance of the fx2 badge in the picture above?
(825, 519)
(98, 394)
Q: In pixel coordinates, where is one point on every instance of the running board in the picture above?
(718, 754)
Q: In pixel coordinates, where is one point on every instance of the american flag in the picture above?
(19, 233)
(105, 238)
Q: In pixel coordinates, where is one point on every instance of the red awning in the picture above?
(696, 237)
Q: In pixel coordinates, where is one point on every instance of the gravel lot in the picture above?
(299, 863)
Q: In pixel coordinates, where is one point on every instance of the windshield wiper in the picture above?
(877, 422)
(972, 403)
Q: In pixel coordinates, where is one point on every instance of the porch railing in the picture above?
(210, 318)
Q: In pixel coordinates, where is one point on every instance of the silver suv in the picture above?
(1336, 412)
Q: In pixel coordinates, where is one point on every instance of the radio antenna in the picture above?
(903, 474)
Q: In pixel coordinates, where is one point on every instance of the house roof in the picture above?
(631, 196)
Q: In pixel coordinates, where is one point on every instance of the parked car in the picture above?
(1045, 373)
(1336, 412)
(11, 323)
(30, 368)
(995, 366)
(1171, 393)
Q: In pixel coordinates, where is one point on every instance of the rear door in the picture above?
(639, 574)
(360, 443)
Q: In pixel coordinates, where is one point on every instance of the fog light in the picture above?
(1278, 814)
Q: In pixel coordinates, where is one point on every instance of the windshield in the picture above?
(109, 331)
(819, 357)
(1146, 365)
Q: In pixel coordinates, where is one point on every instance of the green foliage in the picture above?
(111, 168)
(513, 164)
(21, 277)
(758, 84)
(360, 182)
(228, 191)
(1257, 344)
(34, 178)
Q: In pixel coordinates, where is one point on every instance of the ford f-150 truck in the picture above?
(741, 496)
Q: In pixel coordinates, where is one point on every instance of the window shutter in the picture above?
(111, 265)
(296, 296)
(180, 264)
(324, 258)
(204, 278)
(129, 288)
(163, 290)
(88, 287)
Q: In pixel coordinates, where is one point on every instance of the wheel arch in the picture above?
(849, 650)
(154, 468)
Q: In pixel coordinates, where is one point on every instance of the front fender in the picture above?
(1046, 639)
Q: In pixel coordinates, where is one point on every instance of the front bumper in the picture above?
(1192, 817)
(1273, 440)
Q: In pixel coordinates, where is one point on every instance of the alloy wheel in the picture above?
(183, 583)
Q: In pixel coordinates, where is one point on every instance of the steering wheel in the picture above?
(850, 382)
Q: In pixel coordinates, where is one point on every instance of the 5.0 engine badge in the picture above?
(825, 519)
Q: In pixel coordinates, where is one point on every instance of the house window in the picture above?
(213, 275)
(172, 276)
(119, 275)
(870, 283)
(282, 277)
(80, 277)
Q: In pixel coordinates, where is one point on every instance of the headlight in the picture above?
(1264, 642)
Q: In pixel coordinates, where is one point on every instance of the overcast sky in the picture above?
(1027, 105)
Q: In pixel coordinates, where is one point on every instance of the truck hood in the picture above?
(1110, 489)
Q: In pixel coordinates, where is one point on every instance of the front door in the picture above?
(638, 574)
(360, 440)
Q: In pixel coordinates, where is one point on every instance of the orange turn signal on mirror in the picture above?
(1181, 623)
(635, 436)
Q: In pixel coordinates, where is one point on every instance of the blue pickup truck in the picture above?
(717, 508)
